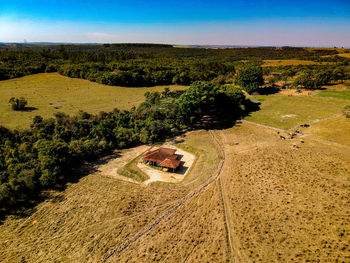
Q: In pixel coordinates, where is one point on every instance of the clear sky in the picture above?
(235, 22)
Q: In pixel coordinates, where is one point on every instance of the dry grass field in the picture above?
(51, 92)
(271, 203)
(93, 216)
(287, 204)
(249, 197)
(335, 130)
(290, 62)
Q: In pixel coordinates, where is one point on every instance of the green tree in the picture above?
(18, 104)
(305, 80)
(250, 78)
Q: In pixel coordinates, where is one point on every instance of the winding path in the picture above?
(173, 209)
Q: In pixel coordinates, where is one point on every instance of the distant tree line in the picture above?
(138, 64)
(309, 76)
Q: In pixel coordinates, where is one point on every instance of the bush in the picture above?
(18, 104)
(250, 78)
(346, 111)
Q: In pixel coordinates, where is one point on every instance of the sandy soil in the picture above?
(109, 165)
(292, 92)
(161, 176)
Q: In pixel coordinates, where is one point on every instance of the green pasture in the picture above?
(50, 92)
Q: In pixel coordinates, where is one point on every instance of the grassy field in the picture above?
(286, 204)
(281, 205)
(290, 62)
(345, 55)
(273, 201)
(339, 94)
(288, 111)
(99, 213)
(51, 92)
(335, 130)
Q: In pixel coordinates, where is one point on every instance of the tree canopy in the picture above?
(250, 78)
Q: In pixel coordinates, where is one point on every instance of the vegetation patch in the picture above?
(131, 170)
(289, 62)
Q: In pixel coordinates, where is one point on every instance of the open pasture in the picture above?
(290, 62)
(51, 92)
(335, 130)
(286, 204)
(289, 111)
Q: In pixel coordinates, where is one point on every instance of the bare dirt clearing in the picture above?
(109, 166)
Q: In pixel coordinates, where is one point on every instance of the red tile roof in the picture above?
(160, 154)
(169, 163)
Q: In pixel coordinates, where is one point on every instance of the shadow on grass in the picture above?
(28, 109)
(219, 120)
(268, 90)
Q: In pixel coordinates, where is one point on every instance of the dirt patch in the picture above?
(292, 92)
(289, 116)
(155, 175)
(109, 166)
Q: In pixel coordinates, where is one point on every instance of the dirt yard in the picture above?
(156, 175)
(109, 165)
(292, 92)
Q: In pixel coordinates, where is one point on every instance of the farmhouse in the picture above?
(162, 157)
(279, 85)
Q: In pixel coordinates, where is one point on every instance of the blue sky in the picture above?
(236, 22)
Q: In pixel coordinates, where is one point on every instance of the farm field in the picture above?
(339, 94)
(290, 62)
(289, 111)
(51, 92)
(345, 55)
(248, 197)
(286, 204)
(335, 130)
(99, 213)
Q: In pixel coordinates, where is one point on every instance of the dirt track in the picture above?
(173, 209)
(263, 201)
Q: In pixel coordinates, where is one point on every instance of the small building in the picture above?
(279, 85)
(162, 157)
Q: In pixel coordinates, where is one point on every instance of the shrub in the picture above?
(346, 111)
(250, 78)
(18, 104)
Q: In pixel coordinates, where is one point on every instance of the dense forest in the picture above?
(143, 64)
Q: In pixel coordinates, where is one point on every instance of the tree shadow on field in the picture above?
(86, 169)
(268, 90)
(28, 109)
(220, 119)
